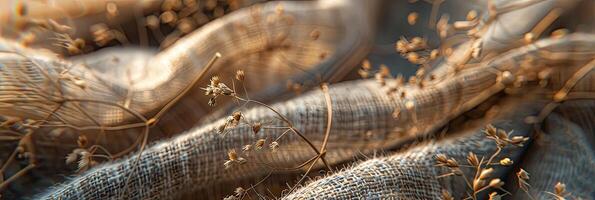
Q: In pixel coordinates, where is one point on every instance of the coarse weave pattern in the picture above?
(411, 174)
(562, 154)
(195, 160)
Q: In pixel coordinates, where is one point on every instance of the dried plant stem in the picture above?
(290, 125)
(329, 119)
(498, 150)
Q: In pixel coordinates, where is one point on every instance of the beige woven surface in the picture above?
(457, 102)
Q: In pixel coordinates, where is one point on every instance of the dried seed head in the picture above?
(232, 155)
(241, 160)
(413, 57)
(256, 127)
(401, 46)
(478, 184)
(85, 160)
(72, 156)
(225, 90)
(417, 41)
(502, 135)
(506, 162)
(240, 75)
(259, 143)
(441, 158)
(412, 18)
(560, 189)
(518, 140)
(434, 54)
(274, 146)
(490, 130)
(485, 173)
(523, 175)
(247, 148)
(452, 163)
(215, 81)
(239, 191)
(472, 159)
(237, 116)
(496, 183)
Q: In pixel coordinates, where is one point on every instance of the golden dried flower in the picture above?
(506, 162)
